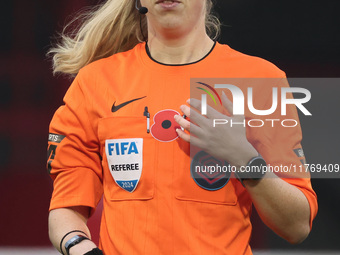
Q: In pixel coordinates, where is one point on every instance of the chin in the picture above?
(171, 22)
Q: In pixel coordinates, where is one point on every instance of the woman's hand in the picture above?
(223, 141)
(281, 206)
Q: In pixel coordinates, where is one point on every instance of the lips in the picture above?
(168, 4)
(166, 1)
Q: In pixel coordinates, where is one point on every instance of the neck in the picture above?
(172, 49)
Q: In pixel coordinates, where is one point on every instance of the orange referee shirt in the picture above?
(99, 145)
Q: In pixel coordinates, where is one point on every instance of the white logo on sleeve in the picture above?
(125, 159)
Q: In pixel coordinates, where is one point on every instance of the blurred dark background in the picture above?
(300, 37)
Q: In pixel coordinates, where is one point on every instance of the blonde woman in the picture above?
(120, 135)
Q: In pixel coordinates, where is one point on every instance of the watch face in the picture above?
(254, 169)
(257, 165)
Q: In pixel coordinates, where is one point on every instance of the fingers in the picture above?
(183, 135)
(194, 141)
(227, 103)
(211, 112)
(194, 116)
(187, 125)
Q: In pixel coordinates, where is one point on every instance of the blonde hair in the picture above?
(104, 30)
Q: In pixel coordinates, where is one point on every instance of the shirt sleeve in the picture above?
(74, 162)
(279, 143)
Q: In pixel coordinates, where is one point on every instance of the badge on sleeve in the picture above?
(125, 159)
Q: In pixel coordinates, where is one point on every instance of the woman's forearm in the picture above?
(281, 206)
(63, 220)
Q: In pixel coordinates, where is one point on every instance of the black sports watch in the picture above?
(254, 170)
(74, 241)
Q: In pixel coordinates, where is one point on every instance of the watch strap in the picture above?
(74, 241)
(95, 251)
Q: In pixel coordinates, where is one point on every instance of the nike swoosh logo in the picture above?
(117, 107)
